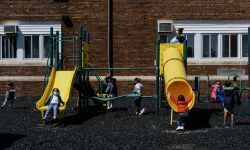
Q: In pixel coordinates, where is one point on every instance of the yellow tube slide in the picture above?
(63, 80)
(175, 76)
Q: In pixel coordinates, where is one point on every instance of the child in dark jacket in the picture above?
(229, 102)
(9, 95)
(54, 102)
(112, 92)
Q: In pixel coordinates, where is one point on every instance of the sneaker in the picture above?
(110, 106)
(54, 118)
(142, 111)
(44, 118)
(178, 128)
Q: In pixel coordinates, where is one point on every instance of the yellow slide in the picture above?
(63, 80)
(174, 72)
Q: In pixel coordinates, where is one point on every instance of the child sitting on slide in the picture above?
(182, 107)
(54, 102)
(217, 92)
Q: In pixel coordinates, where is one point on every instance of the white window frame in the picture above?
(210, 43)
(229, 44)
(31, 50)
(9, 45)
(220, 27)
(241, 45)
(41, 46)
(39, 28)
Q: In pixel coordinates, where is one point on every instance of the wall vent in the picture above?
(165, 26)
(10, 29)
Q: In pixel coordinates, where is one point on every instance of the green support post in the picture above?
(80, 45)
(61, 56)
(185, 55)
(87, 40)
(80, 65)
(157, 99)
(57, 50)
(248, 110)
(51, 47)
(87, 73)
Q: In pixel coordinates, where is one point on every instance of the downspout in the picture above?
(248, 68)
(110, 37)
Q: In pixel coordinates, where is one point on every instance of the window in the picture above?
(165, 38)
(244, 45)
(30, 42)
(45, 46)
(9, 48)
(190, 45)
(31, 46)
(210, 45)
(229, 45)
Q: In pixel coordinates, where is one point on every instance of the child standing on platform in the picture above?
(179, 37)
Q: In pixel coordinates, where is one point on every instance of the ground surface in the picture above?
(119, 129)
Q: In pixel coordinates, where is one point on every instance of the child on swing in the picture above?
(217, 92)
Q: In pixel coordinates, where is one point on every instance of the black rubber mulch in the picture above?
(21, 127)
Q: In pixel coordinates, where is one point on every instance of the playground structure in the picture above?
(166, 56)
(170, 75)
(55, 76)
(59, 77)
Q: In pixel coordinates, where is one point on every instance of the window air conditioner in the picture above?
(10, 29)
(165, 26)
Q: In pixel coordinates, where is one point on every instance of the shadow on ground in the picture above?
(7, 139)
(200, 118)
(85, 115)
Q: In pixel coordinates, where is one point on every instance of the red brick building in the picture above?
(216, 32)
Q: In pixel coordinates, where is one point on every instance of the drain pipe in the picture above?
(110, 37)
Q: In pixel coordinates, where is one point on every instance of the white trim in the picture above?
(16, 62)
(21, 78)
(33, 27)
(212, 62)
(118, 78)
(213, 26)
